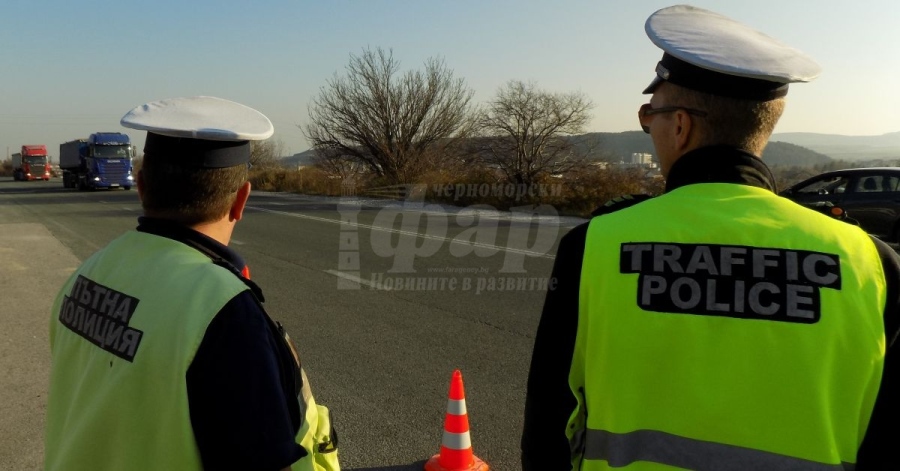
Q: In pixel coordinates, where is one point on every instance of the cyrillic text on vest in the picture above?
(101, 315)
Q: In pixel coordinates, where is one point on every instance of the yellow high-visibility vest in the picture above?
(722, 325)
(122, 342)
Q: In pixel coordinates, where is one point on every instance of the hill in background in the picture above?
(784, 149)
(301, 159)
(885, 146)
(620, 146)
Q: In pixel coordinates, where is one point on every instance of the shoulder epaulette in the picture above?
(620, 203)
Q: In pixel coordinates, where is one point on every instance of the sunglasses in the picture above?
(648, 110)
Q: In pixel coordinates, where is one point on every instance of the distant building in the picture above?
(642, 159)
(635, 160)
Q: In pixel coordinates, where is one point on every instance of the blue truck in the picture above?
(103, 160)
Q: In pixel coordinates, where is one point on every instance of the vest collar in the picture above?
(219, 254)
(188, 236)
(720, 164)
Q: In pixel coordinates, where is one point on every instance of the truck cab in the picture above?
(103, 160)
(31, 164)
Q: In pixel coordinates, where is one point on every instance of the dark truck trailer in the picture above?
(103, 160)
(31, 164)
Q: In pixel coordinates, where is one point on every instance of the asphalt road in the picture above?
(383, 300)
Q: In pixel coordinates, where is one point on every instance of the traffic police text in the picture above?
(732, 281)
(101, 316)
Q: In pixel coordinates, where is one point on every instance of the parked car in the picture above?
(870, 196)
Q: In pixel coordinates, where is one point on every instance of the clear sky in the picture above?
(70, 68)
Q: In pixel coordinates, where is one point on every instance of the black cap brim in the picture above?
(652, 87)
(196, 153)
(687, 75)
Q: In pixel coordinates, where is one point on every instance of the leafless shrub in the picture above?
(266, 154)
(588, 188)
(308, 180)
(386, 121)
(6, 168)
(336, 164)
(524, 132)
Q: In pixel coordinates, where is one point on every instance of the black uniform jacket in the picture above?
(549, 402)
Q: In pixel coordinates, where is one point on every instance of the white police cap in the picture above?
(708, 52)
(200, 131)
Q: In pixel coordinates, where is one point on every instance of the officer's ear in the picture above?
(683, 127)
(240, 202)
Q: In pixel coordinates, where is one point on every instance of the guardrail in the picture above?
(397, 192)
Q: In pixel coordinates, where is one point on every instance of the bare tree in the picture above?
(385, 120)
(265, 154)
(337, 164)
(525, 131)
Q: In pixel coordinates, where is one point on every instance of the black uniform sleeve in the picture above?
(548, 400)
(878, 450)
(238, 407)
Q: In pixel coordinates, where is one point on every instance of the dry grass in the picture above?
(587, 189)
(308, 180)
(575, 194)
(6, 168)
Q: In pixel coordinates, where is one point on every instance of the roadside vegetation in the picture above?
(577, 193)
(381, 132)
(377, 130)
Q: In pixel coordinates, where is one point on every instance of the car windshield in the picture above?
(824, 186)
(36, 160)
(111, 152)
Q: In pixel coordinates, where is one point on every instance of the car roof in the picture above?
(853, 172)
(864, 170)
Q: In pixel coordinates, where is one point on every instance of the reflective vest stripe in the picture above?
(457, 441)
(456, 406)
(623, 449)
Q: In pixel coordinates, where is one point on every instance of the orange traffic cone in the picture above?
(456, 447)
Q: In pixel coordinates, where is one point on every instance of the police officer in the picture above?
(163, 357)
(717, 326)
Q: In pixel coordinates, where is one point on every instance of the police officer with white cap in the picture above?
(717, 326)
(163, 357)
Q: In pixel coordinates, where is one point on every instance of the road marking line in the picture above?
(356, 279)
(236, 242)
(409, 233)
(512, 217)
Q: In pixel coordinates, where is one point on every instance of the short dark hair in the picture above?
(742, 123)
(189, 195)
